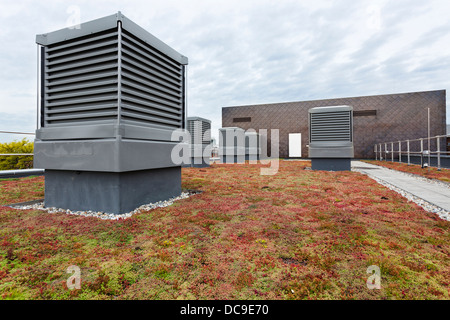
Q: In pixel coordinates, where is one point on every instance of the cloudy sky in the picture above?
(249, 51)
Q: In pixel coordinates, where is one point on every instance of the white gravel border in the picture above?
(443, 214)
(104, 215)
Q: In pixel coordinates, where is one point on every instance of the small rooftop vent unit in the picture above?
(111, 94)
(232, 145)
(200, 132)
(331, 138)
(252, 145)
(237, 145)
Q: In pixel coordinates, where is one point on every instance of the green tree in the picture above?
(16, 162)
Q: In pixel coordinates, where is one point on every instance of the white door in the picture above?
(295, 145)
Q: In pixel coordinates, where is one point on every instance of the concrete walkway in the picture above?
(432, 192)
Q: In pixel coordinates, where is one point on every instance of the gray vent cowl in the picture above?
(331, 132)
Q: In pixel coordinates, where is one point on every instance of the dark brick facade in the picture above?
(381, 118)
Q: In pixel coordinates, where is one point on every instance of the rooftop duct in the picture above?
(111, 95)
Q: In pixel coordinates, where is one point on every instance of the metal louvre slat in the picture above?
(334, 134)
(82, 115)
(151, 91)
(145, 68)
(149, 49)
(146, 103)
(80, 94)
(330, 132)
(327, 124)
(88, 121)
(69, 88)
(90, 107)
(129, 68)
(337, 119)
(81, 101)
(330, 139)
(331, 114)
(81, 79)
(108, 51)
(128, 50)
(132, 46)
(330, 120)
(137, 122)
(151, 111)
(85, 61)
(149, 82)
(108, 34)
(143, 95)
(336, 116)
(335, 128)
(84, 49)
(83, 71)
(139, 116)
(330, 123)
(331, 127)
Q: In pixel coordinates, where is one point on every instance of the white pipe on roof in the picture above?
(20, 172)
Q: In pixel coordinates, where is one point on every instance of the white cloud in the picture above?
(259, 51)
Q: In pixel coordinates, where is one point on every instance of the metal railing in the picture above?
(395, 150)
(214, 152)
(17, 154)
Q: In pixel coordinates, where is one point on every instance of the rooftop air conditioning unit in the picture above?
(252, 145)
(331, 138)
(111, 94)
(232, 145)
(200, 132)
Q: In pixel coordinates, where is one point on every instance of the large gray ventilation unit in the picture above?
(111, 95)
(200, 144)
(331, 138)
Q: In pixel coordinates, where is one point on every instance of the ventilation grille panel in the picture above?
(331, 126)
(152, 85)
(108, 77)
(81, 80)
(199, 131)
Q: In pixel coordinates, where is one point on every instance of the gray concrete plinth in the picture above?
(229, 159)
(331, 164)
(110, 192)
(199, 163)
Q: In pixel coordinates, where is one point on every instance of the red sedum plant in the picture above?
(430, 173)
(299, 234)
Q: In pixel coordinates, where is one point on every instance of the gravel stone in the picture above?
(105, 215)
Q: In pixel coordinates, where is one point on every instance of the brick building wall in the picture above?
(377, 119)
